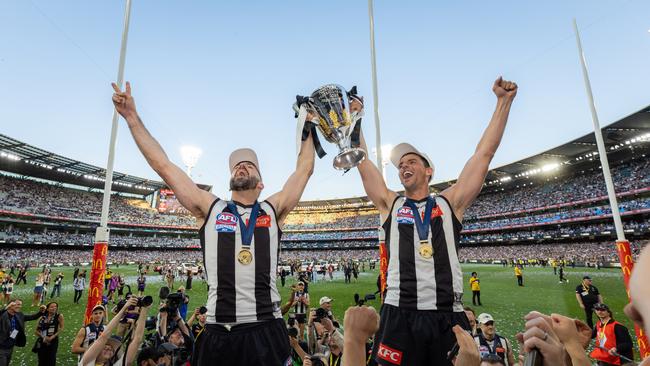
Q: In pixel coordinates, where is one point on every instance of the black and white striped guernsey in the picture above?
(240, 293)
(412, 281)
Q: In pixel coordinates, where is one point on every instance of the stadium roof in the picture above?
(629, 134)
(21, 158)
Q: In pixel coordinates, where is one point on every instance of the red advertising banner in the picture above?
(96, 284)
(627, 263)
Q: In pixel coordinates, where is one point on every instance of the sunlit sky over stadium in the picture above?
(223, 75)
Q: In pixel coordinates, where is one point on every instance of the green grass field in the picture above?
(500, 295)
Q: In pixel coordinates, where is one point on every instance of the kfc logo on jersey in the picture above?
(436, 211)
(405, 216)
(388, 354)
(226, 223)
(262, 221)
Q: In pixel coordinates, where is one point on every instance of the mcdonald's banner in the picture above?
(627, 264)
(383, 268)
(96, 283)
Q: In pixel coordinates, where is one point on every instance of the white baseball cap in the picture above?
(402, 149)
(484, 318)
(324, 299)
(240, 155)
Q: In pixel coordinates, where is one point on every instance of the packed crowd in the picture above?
(589, 252)
(629, 176)
(556, 232)
(52, 236)
(14, 257)
(28, 196)
(555, 216)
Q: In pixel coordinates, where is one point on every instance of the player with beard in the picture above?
(420, 234)
(240, 239)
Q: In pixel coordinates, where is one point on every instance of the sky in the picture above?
(223, 75)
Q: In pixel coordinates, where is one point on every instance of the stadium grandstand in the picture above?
(550, 205)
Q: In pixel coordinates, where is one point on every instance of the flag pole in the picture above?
(622, 245)
(375, 94)
(100, 248)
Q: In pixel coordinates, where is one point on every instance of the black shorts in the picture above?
(416, 337)
(301, 318)
(265, 343)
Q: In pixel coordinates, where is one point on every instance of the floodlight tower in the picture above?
(190, 156)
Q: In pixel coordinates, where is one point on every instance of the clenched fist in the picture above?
(504, 88)
(123, 101)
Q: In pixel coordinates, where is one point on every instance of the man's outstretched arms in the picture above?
(469, 184)
(196, 200)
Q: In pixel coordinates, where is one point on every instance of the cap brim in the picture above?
(241, 155)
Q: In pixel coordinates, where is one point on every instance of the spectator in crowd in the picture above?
(300, 307)
(151, 356)
(7, 289)
(325, 303)
(38, 289)
(489, 342)
(519, 274)
(172, 329)
(588, 295)
(47, 333)
(12, 328)
(79, 285)
(105, 350)
(471, 316)
(475, 285)
(142, 281)
(197, 321)
(613, 344)
(57, 286)
(90, 332)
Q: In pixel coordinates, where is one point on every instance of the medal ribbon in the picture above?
(247, 231)
(422, 225)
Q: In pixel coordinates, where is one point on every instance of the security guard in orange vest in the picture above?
(613, 340)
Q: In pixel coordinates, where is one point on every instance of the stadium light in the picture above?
(550, 167)
(190, 156)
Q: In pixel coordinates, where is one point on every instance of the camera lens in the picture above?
(145, 301)
(203, 310)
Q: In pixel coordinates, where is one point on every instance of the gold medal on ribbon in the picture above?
(245, 256)
(426, 249)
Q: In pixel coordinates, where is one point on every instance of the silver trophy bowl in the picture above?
(329, 108)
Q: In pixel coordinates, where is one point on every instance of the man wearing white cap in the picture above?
(490, 343)
(240, 239)
(423, 279)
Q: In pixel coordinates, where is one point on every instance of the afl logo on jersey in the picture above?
(405, 215)
(226, 223)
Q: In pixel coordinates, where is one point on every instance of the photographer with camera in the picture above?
(199, 316)
(173, 333)
(105, 350)
(326, 306)
(129, 317)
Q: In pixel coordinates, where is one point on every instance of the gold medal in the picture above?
(245, 256)
(426, 249)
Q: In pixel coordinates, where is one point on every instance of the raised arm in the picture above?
(285, 200)
(196, 200)
(373, 183)
(96, 348)
(469, 184)
(138, 335)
